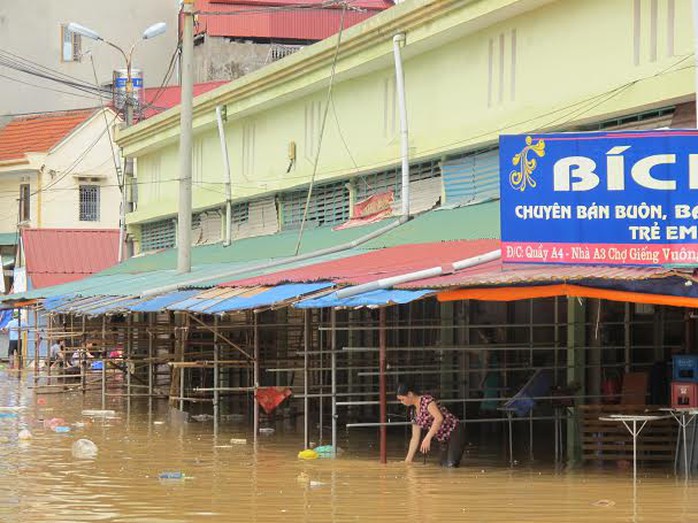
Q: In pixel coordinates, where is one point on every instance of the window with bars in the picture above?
(71, 44)
(158, 235)
(383, 181)
(329, 205)
(89, 203)
(240, 213)
(24, 202)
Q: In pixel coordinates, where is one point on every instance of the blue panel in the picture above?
(185, 304)
(80, 304)
(159, 303)
(366, 299)
(111, 306)
(56, 301)
(269, 297)
(473, 178)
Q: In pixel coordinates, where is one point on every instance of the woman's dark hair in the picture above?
(404, 388)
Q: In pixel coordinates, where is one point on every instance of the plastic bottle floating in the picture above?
(61, 429)
(24, 435)
(307, 454)
(171, 475)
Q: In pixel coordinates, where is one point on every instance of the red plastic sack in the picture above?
(269, 398)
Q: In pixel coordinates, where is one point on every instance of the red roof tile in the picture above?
(374, 265)
(157, 100)
(256, 19)
(38, 133)
(56, 256)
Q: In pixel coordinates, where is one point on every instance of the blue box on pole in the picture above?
(685, 367)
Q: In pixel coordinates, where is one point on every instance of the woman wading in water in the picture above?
(426, 413)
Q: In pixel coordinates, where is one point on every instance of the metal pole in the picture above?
(306, 402)
(226, 166)
(256, 378)
(104, 362)
(216, 394)
(381, 387)
(333, 377)
(36, 345)
(185, 140)
(150, 363)
(128, 358)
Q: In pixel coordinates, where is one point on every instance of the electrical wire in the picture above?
(333, 72)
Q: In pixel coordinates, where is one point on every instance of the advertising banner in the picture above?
(622, 198)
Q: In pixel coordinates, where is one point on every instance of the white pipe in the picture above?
(398, 40)
(418, 275)
(228, 179)
(275, 263)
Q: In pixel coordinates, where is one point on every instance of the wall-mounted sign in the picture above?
(626, 198)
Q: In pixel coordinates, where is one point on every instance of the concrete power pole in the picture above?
(185, 141)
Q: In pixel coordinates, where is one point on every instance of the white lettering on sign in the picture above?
(579, 173)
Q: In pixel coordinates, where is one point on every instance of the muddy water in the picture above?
(40, 480)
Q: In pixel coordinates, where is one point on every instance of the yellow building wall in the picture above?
(480, 69)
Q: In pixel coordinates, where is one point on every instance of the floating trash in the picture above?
(84, 449)
(158, 422)
(78, 425)
(24, 435)
(238, 441)
(603, 503)
(98, 413)
(53, 423)
(326, 451)
(315, 484)
(8, 415)
(61, 429)
(266, 431)
(307, 454)
(171, 475)
(202, 417)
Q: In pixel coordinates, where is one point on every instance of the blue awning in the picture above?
(375, 298)
(268, 298)
(158, 303)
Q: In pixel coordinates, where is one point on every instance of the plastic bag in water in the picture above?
(171, 475)
(84, 449)
(24, 435)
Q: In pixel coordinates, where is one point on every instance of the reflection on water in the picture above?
(40, 480)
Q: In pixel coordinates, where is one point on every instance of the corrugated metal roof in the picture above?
(497, 273)
(159, 303)
(375, 298)
(268, 298)
(207, 299)
(55, 256)
(38, 133)
(265, 20)
(375, 265)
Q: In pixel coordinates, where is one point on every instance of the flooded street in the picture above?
(42, 481)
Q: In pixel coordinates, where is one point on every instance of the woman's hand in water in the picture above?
(426, 444)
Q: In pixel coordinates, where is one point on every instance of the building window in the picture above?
(89, 203)
(24, 200)
(70, 45)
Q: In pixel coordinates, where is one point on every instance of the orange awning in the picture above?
(576, 291)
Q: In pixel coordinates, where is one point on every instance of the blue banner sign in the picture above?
(625, 198)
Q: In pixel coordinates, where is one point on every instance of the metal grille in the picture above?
(329, 205)
(279, 51)
(471, 178)
(24, 202)
(158, 235)
(371, 184)
(240, 213)
(89, 203)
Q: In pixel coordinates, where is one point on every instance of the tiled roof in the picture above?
(38, 133)
(55, 256)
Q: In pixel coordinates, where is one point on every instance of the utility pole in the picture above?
(185, 140)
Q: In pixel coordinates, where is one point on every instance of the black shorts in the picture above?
(13, 348)
(452, 450)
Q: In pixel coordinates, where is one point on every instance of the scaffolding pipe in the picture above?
(216, 394)
(306, 346)
(381, 388)
(104, 364)
(255, 377)
(333, 375)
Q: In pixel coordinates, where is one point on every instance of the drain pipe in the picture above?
(228, 181)
(418, 275)
(398, 41)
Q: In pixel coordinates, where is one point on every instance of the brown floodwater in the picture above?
(40, 480)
